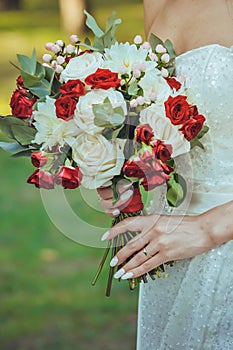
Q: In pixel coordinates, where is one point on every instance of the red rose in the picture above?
(65, 107)
(144, 133)
(38, 159)
(41, 179)
(193, 111)
(69, 177)
(103, 79)
(148, 169)
(133, 169)
(155, 180)
(135, 203)
(21, 105)
(192, 127)
(161, 150)
(177, 109)
(73, 88)
(173, 83)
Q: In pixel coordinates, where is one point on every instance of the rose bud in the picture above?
(173, 83)
(144, 133)
(41, 179)
(69, 177)
(19, 82)
(38, 159)
(177, 109)
(192, 127)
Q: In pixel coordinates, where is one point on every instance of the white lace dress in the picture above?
(193, 307)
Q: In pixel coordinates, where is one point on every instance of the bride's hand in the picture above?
(162, 239)
(125, 190)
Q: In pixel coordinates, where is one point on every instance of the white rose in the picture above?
(99, 159)
(163, 129)
(154, 83)
(82, 66)
(52, 131)
(84, 116)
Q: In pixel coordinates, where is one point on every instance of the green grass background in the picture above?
(46, 298)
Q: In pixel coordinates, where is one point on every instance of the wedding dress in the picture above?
(193, 307)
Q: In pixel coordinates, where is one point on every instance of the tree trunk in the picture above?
(72, 15)
(6, 5)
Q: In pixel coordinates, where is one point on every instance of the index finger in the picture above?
(133, 224)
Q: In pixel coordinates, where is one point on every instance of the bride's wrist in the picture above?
(217, 223)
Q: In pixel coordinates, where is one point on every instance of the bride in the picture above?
(193, 308)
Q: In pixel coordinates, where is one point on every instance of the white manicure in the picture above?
(127, 276)
(119, 273)
(114, 261)
(126, 195)
(116, 212)
(105, 236)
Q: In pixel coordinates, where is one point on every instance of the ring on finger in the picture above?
(146, 253)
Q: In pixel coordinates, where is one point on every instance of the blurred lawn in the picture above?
(46, 298)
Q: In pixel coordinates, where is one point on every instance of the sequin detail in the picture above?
(193, 308)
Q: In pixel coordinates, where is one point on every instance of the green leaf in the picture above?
(154, 41)
(87, 41)
(24, 134)
(28, 64)
(133, 88)
(203, 131)
(17, 129)
(170, 49)
(196, 143)
(5, 126)
(116, 120)
(42, 89)
(176, 190)
(24, 153)
(91, 23)
(11, 147)
(31, 80)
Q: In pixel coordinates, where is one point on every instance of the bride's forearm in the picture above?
(218, 223)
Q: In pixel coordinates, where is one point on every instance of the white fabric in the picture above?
(193, 307)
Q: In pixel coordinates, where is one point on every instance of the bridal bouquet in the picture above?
(94, 114)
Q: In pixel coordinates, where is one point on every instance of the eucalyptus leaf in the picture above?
(41, 89)
(5, 126)
(24, 134)
(28, 64)
(11, 147)
(24, 153)
(133, 88)
(91, 23)
(170, 49)
(117, 120)
(87, 41)
(31, 80)
(154, 41)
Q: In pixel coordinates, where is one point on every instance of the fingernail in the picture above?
(105, 236)
(127, 276)
(116, 212)
(119, 273)
(126, 195)
(114, 261)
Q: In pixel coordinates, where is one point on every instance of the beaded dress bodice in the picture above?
(192, 309)
(209, 77)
